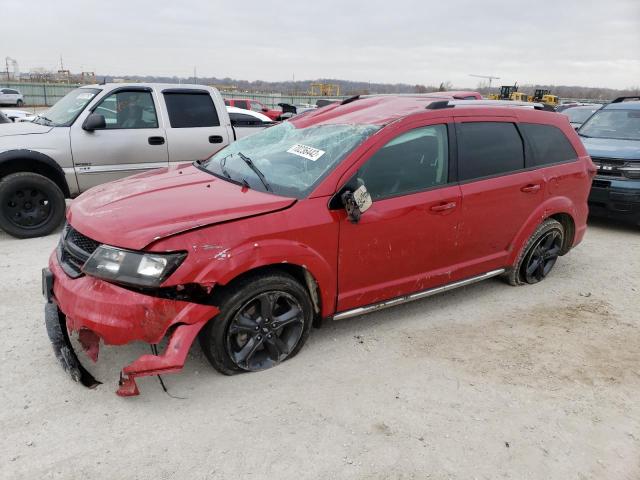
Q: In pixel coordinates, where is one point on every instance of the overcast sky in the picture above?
(570, 42)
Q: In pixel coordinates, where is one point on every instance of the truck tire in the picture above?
(31, 205)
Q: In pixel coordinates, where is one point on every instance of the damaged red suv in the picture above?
(339, 212)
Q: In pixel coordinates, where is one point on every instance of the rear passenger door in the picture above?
(193, 129)
(498, 193)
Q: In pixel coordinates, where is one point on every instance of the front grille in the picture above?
(79, 240)
(74, 249)
(608, 167)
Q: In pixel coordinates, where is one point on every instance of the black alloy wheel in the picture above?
(539, 254)
(264, 319)
(265, 330)
(542, 257)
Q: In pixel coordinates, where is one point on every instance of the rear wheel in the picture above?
(31, 205)
(19, 103)
(264, 320)
(539, 255)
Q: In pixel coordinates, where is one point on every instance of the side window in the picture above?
(189, 110)
(256, 107)
(128, 109)
(488, 148)
(548, 143)
(413, 161)
(241, 104)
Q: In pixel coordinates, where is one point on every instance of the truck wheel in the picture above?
(263, 321)
(31, 205)
(539, 254)
(19, 103)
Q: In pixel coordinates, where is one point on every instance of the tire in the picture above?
(234, 343)
(19, 103)
(31, 205)
(539, 254)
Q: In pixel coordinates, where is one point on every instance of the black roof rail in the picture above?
(622, 99)
(438, 105)
(451, 103)
(350, 99)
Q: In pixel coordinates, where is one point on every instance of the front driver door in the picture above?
(133, 140)
(406, 241)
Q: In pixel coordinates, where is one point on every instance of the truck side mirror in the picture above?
(94, 121)
(356, 203)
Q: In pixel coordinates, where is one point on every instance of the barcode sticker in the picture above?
(304, 151)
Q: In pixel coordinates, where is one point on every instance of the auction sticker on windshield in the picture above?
(304, 151)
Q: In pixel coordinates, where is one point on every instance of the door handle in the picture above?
(215, 139)
(531, 188)
(156, 140)
(443, 207)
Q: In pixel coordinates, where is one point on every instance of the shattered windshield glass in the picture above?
(286, 160)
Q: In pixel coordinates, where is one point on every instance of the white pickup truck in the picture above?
(100, 133)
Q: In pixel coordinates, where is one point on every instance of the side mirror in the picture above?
(356, 203)
(94, 121)
(265, 109)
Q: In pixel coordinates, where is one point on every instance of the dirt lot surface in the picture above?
(487, 382)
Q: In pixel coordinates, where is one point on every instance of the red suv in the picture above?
(342, 211)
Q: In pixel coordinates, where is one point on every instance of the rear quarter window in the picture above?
(191, 110)
(549, 145)
(488, 149)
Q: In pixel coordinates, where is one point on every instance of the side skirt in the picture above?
(415, 296)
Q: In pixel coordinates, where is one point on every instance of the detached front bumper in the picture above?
(98, 310)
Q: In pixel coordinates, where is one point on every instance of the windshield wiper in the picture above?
(224, 171)
(256, 170)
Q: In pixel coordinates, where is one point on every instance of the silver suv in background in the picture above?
(11, 96)
(100, 133)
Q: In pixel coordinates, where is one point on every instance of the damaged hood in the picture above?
(133, 212)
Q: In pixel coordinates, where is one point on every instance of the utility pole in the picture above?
(195, 77)
(6, 62)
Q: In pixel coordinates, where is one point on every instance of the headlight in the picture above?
(140, 269)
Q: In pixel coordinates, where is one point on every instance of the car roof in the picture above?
(374, 110)
(384, 109)
(629, 105)
(584, 107)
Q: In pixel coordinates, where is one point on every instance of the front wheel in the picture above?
(31, 205)
(263, 320)
(539, 255)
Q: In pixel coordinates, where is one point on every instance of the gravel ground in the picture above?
(487, 382)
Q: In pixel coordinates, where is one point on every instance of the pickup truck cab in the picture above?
(100, 133)
(255, 106)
